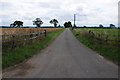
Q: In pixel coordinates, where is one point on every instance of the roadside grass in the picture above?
(108, 51)
(12, 57)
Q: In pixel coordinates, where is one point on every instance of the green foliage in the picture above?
(12, 57)
(59, 26)
(101, 26)
(68, 24)
(16, 24)
(84, 26)
(112, 26)
(54, 21)
(38, 22)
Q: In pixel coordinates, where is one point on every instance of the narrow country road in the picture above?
(66, 57)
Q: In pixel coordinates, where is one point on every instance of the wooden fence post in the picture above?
(106, 39)
(30, 37)
(40, 34)
(45, 33)
(13, 42)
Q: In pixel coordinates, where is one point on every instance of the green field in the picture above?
(103, 31)
(112, 34)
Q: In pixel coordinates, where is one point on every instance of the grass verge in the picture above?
(110, 52)
(13, 57)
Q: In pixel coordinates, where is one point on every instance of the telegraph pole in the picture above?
(74, 19)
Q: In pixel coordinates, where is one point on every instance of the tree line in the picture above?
(38, 22)
(101, 26)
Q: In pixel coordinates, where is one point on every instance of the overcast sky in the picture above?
(89, 12)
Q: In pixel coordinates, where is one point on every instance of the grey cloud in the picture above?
(27, 18)
(4, 16)
(80, 9)
(61, 15)
(5, 5)
(51, 5)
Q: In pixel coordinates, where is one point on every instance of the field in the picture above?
(110, 35)
(9, 31)
(104, 31)
(13, 38)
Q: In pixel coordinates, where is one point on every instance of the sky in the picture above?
(88, 12)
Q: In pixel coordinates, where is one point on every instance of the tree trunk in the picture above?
(55, 25)
(38, 25)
